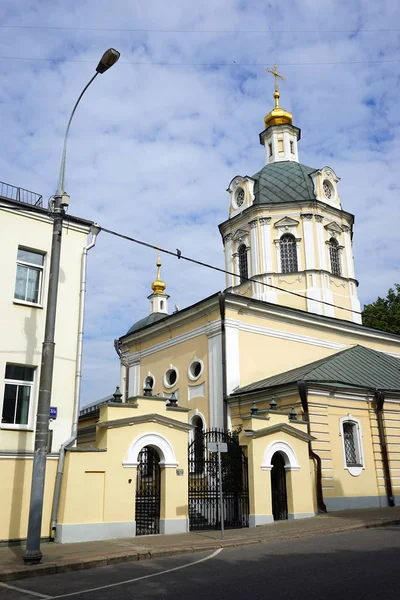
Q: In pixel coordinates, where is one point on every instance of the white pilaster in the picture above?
(134, 383)
(215, 388)
(308, 234)
(229, 266)
(321, 243)
(349, 252)
(232, 358)
(266, 262)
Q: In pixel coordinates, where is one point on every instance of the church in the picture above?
(277, 370)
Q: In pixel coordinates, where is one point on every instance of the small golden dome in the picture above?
(278, 116)
(158, 286)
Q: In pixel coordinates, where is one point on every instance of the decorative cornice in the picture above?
(306, 216)
(151, 418)
(264, 221)
(253, 223)
(228, 237)
(281, 427)
(319, 218)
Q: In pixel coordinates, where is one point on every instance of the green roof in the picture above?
(284, 181)
(357, 366)
(149, 320)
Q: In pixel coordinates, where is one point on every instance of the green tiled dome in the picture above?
(284, 181)
(149, 320)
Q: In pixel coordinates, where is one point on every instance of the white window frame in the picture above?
(190, 374)
(165, 380)
(32, 395)
(28, 265)
(354, 470)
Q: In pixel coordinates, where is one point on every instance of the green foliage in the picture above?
(384, 313)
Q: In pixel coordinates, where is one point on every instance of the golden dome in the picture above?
(277, 116)
(158, 286)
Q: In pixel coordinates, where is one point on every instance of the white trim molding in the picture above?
(355, 469)
(167, 454)
(288, 455)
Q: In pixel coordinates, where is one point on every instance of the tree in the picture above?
(384, 313)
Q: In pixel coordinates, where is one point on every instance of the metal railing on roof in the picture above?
(11, 192)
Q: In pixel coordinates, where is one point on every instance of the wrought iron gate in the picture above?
(147, 505)
(278, 488)
(204, 508)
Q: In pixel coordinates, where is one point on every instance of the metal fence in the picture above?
(11, 192)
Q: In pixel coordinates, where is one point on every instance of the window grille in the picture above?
(243, 268)
(288, 248)
(334, 256)
(350, 443)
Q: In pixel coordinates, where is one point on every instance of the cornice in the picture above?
(150, 418)
(281, 427)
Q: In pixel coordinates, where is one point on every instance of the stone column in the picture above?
(229, 263)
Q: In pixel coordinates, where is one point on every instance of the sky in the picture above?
(157, 139)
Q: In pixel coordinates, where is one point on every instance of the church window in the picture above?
(280, 145)
(162, 304)
(352, 447)
(327, 189)
(243, 268)
(198, 442)
(334, 255)
(195, 369)
(240, 197)
(270, 149)
(291, 147)
(170, 377)
(288, 249)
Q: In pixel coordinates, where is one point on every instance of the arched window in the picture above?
(243, 270)
(288, 247)
(350, 430)
(334, 256)
(198, 439)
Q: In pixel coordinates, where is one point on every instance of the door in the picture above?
(147, 504)
(278, 488)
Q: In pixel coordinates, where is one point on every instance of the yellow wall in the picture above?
(16, 478)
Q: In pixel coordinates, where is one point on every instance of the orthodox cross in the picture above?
(274, 72)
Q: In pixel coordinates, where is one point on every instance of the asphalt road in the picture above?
(359, 565)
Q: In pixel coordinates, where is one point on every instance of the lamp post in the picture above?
(33, 554)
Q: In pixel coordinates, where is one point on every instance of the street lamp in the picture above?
(33, 554)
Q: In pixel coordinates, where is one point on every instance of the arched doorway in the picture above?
(148, 486)
(278, 487)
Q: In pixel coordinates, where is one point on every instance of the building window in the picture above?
(170, 377)
(195, 369)
(198, 445)
(17, 394)
(280, 146)
(28, 283)
(288, 248)
(334, 254)
(352, 447)
(243, 268)
(270, 149)
(291, 147)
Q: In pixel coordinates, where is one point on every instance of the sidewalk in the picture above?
(60, 558)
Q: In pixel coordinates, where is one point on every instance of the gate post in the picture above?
(174, 509)
(259, 486)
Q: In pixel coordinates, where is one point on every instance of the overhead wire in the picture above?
(213, 31)
(178, 254)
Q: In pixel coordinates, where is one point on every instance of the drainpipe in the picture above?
(380, 399)
(95, 230)
(302, 387)
(125, 364)
(221, 300)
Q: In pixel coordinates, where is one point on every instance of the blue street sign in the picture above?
(53, 412)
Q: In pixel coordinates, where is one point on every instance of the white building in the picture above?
(25, 241)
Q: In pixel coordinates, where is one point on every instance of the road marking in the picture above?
(110, 585)
(22, 590)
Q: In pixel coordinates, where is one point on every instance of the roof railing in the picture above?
(11, 192)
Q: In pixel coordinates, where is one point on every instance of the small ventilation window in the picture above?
(170, 377)
(195, 369)
(270, 149)
(291, 147)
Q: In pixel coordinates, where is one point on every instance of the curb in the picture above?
(68, 565)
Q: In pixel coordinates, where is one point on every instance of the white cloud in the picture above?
(153, 148)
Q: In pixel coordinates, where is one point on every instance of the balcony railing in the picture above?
(11, 192)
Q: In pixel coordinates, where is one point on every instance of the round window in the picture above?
(170, 377)
(195, 369)
(327, 189)
(240, 197)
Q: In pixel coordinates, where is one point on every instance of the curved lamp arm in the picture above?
(108, 59)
